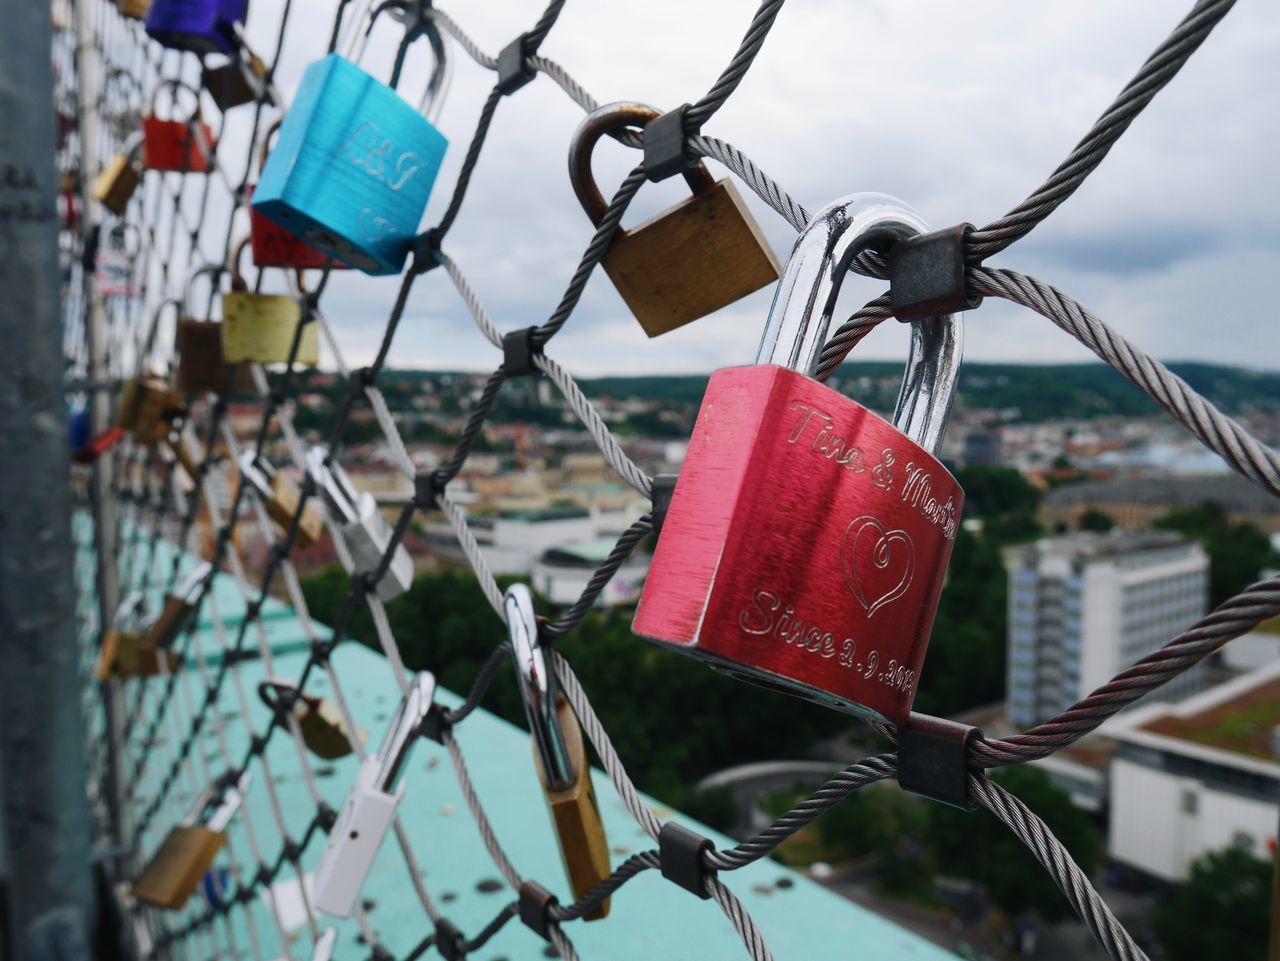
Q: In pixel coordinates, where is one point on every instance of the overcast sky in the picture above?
(959, 109)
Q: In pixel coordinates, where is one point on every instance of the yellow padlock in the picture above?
(117, 181)
(701, 255)
(261, 327)
(134, 9)
(280, 496)
(202, 367)
(320, 721)
(148, 408)
(188, 850)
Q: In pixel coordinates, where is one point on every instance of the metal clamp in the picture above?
(514, 68)
(664, 485)
(680, 854)
(927, 274)
(450, 942)
(933, 759)
(518, 352)
(664, 144)
(535, 908)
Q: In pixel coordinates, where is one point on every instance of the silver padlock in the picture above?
(324, 946)
(364, 529)
(367, 814)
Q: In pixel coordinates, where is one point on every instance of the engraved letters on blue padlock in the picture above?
(205, 26)
(354, 163)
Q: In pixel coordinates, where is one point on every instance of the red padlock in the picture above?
(807, 539)
(181, 145)
(272, 245)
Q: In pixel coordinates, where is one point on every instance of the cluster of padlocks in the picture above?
(803, 546)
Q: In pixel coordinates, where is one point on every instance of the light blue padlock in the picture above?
(354, 163)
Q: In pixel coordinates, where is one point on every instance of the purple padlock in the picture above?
(204, 26)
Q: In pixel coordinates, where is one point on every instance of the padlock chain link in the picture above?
(146, 519)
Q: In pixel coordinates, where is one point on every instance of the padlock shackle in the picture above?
(271, 689)
(538, 688)
(803, 304)
(127, 608)
(149, 344)
(333, 484)
(175, 85)
(405, 728)
(256, 473)
(604, 120)
(214, 271)
(267, 134)
(438, 84)
(190, 585)
(232, 798)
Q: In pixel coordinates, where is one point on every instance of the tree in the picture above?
(1221, 911)
(1237, 552)
(1096, 520)
(978, 846)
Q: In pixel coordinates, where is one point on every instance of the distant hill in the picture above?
(1036, 392)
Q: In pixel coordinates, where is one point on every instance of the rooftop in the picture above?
(1235, 493)
(1114, 543)
(541, 515)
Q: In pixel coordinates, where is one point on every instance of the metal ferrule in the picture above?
(806, 298)
(538, 689)
(334, 486)
(404, 730)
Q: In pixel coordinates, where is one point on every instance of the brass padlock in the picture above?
(239, 81)
(202, 367)
(117, 181)
(123, 653)
(280, 496)
(134, 9)
(177, 610)
(559, 754)
(701, 255)
(261, 327)
(148, 408)
(187, 852)
(320, 721)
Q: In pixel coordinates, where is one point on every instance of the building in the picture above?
(562, 573)
(1197, 776)
(1137, 501)
(1084, 606)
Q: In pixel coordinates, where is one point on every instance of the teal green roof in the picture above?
(650, 918)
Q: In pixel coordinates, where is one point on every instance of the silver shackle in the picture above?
(438, 84)
(333, 484)
(538, 689)
(404, 730)
(806, 296)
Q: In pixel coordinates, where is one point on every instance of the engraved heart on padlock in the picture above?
(867, 540)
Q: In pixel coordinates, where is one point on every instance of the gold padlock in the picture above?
(134, 9)
(558, 754)
(188, 850)
(148, 408)
(117, 181)
(177, 611)
(123, 653)
(280, 496)
(319, 720)
(261, 327)
(239, 81)
(701, 255)
(202, 367)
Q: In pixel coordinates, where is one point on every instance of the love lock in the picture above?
(807, 539)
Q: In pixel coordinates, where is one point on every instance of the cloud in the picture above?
(959, 110)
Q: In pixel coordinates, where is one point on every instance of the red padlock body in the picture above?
(273, 246)
(168, 145)
(805, 545)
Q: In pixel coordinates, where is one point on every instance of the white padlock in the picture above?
(370, 808)
(364, 529)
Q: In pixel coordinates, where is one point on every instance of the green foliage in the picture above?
(1221, 911)
(713, 806)
(1096, 520)
(978, 846)
(1237, 552)
(993, 492)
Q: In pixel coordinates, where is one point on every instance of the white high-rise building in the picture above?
(1084, 606)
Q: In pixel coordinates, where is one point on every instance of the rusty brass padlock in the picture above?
(148, 408)
(117, 181)
(321, 723)
(177, 610)
(261, 327)
(239, 81)
(123, 652)
(280, 496)
(187, 852)
(202, 366)
(559, 754)
(702, 254)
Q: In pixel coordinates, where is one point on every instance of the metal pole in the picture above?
(88, 74)
(49, 899)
